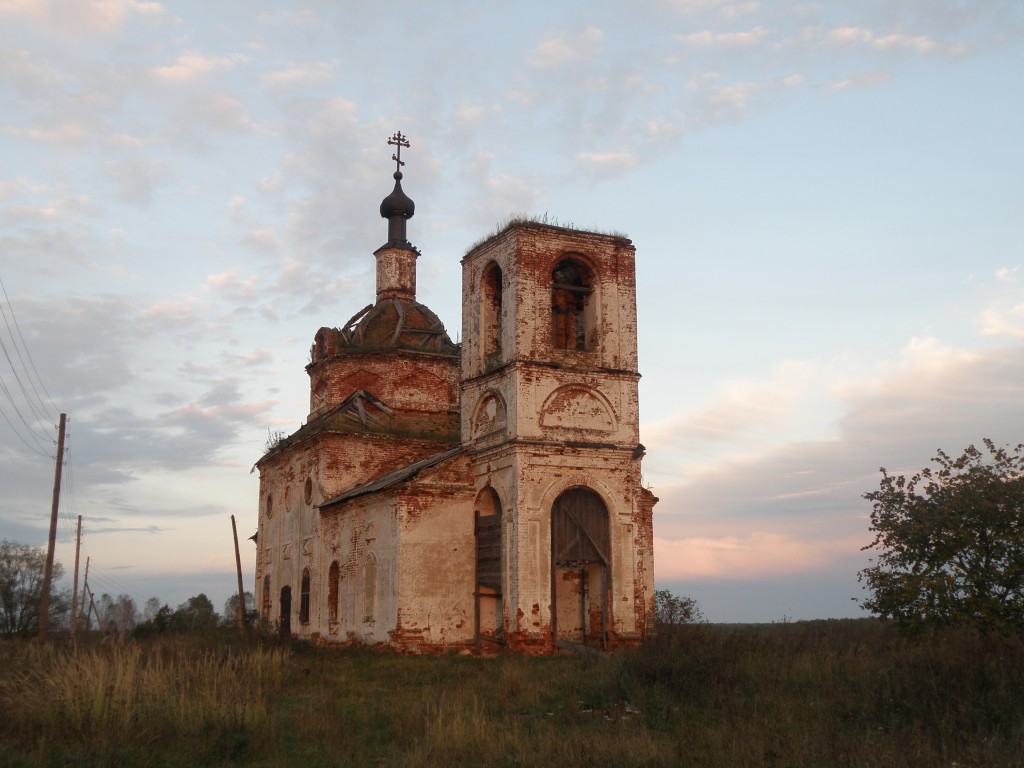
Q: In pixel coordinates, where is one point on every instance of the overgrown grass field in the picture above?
(829, 693)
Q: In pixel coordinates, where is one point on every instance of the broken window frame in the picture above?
(572, 294)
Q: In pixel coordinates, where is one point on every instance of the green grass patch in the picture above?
(850, 693)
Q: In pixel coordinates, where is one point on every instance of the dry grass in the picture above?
(110, 700)
(845, 693)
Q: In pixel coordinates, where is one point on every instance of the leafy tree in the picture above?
(21, 588)
(951, 542)
(671, 610)
(156, 619)
(672, 615)
(230, 615)
(196, 614)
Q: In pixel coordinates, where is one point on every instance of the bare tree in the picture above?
(118, 615)
(21, 587)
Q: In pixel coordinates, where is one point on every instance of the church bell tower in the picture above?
(550, 419)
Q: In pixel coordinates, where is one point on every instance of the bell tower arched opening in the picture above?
(491, 314)
(572, 307)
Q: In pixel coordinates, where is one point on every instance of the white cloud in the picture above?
(609, 161)
(272, 185)
(690, 7)
(709, 37)
(733, 99)
(225, 113)
(503, 191)
(563, 48)
(298, 17)
(750, 417)
(192, 64)
(31, 77)
(847, 37)
(135, 178)
(75, 16)
(264, 240)
(1007, 275)
(865, 80)
(469, 117)
(70, 133)
(999, 321)
(298, 75)
(170, 311)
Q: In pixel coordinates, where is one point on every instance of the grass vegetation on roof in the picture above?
(544, 220)
(823, 693)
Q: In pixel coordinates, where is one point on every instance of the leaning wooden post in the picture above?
(74, 591)
(85, 587)
(92, 602)
(44, 602)
(241, 590)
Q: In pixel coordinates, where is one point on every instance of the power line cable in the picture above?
(69, 485)
(37, 448)
(28, 354)
(116, 587)
(39, 417)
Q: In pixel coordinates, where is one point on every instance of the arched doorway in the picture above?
(284, 622)
(580, 568)
(487, 528)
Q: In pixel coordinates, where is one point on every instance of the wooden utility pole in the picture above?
(74, 591)
(241, 590)
(44, 602)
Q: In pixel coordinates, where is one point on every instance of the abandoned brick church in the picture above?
(476, 495)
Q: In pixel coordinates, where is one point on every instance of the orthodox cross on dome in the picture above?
(399, 141)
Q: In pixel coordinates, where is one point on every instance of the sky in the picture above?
(826, 198)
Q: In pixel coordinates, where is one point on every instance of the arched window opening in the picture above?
(304, 598)
(369, 587)
(490, 306)
(333, 576)
(265, 610)
(571, 310)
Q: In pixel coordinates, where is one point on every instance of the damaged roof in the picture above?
(393, 478)
(359, 412)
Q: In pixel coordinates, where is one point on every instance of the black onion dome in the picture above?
(397, 203)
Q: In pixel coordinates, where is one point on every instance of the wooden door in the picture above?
(580, 568)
